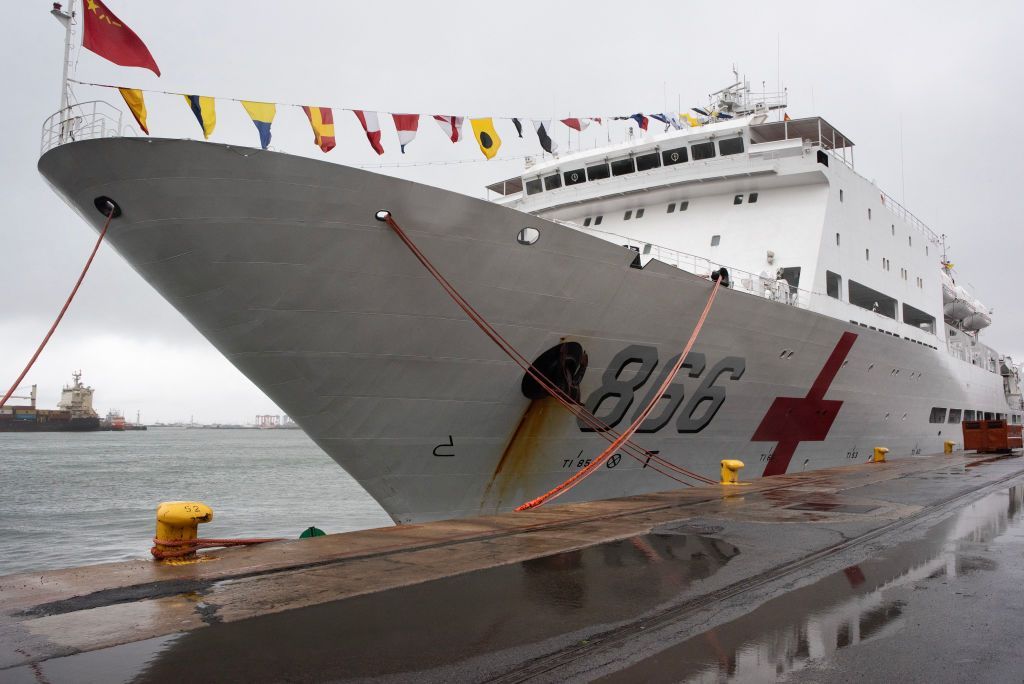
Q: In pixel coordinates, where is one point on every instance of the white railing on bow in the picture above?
(84, 121)
(775, 289)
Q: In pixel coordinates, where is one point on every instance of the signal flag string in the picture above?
(636, 452)
(63, 310)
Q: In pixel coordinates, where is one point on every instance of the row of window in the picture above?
(878, 302)
(670, 209)
(886, 332)
(645, 162)
(939, 415)
(886, 264)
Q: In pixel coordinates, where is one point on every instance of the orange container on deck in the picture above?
(991, 436)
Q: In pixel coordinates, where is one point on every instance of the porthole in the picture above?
(528, 236)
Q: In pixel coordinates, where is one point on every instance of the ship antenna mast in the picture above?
(66, 19)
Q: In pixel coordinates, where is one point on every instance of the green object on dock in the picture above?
(312, 532)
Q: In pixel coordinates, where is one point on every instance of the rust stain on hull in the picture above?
(523, 448)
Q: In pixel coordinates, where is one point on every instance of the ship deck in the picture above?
(793, 573)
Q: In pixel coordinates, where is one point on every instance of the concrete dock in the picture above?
(906, 569)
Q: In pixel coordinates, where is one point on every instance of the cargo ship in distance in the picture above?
(74, 412)
(844, 327)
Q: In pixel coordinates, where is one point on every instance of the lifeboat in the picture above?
(962, 309)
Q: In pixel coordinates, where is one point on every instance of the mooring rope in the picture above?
(636, 452)
(63, 310)
(580, 475)
(186, 547)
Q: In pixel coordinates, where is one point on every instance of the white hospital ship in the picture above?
(842, 329)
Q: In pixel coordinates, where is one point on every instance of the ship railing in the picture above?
(84, 121)
(766, 286)
(905, 214)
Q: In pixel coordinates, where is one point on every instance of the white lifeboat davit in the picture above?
(959, 306)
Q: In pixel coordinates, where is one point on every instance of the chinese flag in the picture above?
(108, 37)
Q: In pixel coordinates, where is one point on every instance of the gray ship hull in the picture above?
(278, 261)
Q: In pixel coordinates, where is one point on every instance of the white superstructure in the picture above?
(780, 204)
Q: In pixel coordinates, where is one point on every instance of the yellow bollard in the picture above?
(179, 521)
(731, 471)
(948, 445)
(879, 455)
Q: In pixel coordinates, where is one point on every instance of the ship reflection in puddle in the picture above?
(438, 623)
(842, 610)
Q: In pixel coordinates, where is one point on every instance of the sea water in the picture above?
(77, 498)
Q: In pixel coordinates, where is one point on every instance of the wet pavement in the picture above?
(908, 571)
(946, 607)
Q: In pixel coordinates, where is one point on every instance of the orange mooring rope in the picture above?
(63, 310)
(186, 547)
(636, 452)
(579, 475)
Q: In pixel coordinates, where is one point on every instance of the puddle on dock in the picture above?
(424, 626)
(839, 611)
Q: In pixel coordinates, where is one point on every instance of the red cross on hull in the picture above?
(792, 420)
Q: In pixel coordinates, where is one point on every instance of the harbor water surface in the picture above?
(73, 499)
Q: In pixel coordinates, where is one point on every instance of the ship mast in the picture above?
(65, 18)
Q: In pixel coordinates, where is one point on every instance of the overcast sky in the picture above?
(949, 73)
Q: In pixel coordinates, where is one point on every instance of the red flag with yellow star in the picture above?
(110, 38)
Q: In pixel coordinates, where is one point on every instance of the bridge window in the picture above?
(730, 146)
(621, 167)
(738, 199)
(552, 182)
(968, 414)
(646, 162)
(954, 416)
(671, 207)
(918, 319)
(683, 206)
(704, 150)
(872, 300)
(676, 156)
(598, 220)
(716, 240)
(640, 212)
(751, 198)
(586, 222)
(533, 186)
(628, 215)
(833, 285)
(938, 415)
(574, 177)
(598, 172)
